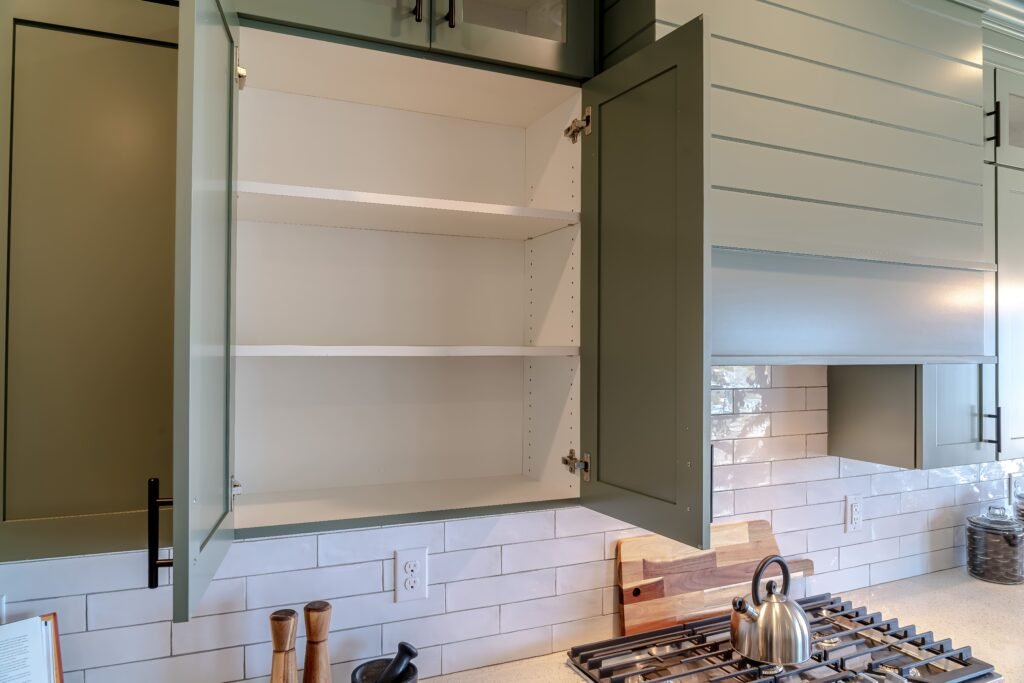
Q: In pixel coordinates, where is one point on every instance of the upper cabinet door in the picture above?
(405, 22)
(551, 35)
(1010, 103)
(207, 99)
(1010, 227)
(645, 361)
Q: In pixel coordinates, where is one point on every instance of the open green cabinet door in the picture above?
(207, 106)
(645, 357)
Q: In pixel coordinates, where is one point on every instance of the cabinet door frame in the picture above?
(575, 57)
(144, 22)
(204, 276)
(1009, 99)
(639, 489)
(932, 454)
(1010, 322)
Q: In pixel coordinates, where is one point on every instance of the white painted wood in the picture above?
(551, 399)
(803, 306)
(312, 423)
(552, 288)
(552, 165)
(822, 40)
(299, 140)
(293, 351)
(301, 285)
(903, 22)
(276, 61)
(850, 360)
(757, 222)
(782, 172)
(1010, 97)
(1011, 309)
(357, 502)
(274, 203)
(783, 124)
(766, 73)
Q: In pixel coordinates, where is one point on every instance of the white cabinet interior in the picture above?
(407, 327)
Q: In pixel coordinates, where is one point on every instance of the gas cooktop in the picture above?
(849, 644)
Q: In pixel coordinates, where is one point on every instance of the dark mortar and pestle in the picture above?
(397, 670)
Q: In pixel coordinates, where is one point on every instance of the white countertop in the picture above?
(988, 617)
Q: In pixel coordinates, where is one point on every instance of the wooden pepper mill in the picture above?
(283, 625)
(318, 653)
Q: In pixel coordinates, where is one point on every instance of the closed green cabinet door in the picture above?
(645, 359)
(404, 22)
(207, 112)
(551, 35)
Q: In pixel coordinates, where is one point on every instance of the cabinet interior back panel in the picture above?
(303, 140)
(311, 423)
(336, 286)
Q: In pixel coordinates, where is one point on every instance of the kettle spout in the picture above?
(744, 607)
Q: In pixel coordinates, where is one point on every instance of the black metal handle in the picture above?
(417, 11)
(997, 117)
(451, 14)
(155, 503)
(755, 586)
(998, 417)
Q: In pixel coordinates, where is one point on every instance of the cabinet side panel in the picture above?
(872, 413)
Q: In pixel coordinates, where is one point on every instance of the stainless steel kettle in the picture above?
(773, 630)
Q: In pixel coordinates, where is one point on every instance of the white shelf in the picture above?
(357, 502)
(299, 205)
(303, 351)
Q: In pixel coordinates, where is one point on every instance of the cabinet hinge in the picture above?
(236, 490)
(580, 126)
(577, 464)
(240, 72)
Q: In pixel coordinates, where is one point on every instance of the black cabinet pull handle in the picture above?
(155, 503)
(451, 14)
(417, 11)
(998, 441)
(997, 116)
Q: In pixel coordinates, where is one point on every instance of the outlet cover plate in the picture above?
(411, 574)
(854, 513)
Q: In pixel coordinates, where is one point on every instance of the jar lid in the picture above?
(996, 519)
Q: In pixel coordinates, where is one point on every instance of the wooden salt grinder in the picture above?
(283, 625)
(318, 654)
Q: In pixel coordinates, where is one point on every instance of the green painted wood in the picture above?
(644, 353)
(573, 57)
(390, 22)
(47, 508)
(622, 21)
(207, 116)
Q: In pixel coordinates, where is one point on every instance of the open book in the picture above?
(30, 651)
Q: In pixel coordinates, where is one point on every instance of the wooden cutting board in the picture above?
(664, 582)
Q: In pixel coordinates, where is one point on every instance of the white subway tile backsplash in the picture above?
(792, 543)
(799, 422)
(207, 667)
(306, 585)
(980, 491)
(473, 654)
(381, 608)
(840, 581)
(769, 448)
(769, 400)
(443, 628)
(612, 538)
(590, 630)
(222, 630)
(518, 616)
(721, 401)
(57, 578)
(807, 517)
(914, 565)
(740, 376)
(808, 469)
(829, 490)
(898, 482)
(899, 525)
(464, 564)
(949, 476)
(722, 503)
(817, 398)
(799, 375)
(836, 536)
(92, 649)
(522, 557)
(732, 477)
(817, 445)
(577, 521)
(144, 606)
(581, 577)
(611, 600)
(500, 589)
(855, 468)
(824, 560)
(740, 426)
(926, 542)
(882, 506)
(721, 453)
(770, 498)
(866, 553)
(263, 557)
(929, 499)
(499, 530)
(348, 547)
(70, 611)
(951, 516)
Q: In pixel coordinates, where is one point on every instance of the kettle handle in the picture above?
(755, 588)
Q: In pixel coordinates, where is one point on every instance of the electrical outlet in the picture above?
(411, 574)
(854, 513)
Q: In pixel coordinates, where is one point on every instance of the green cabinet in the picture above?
(645, 352)
(402, 22)
(555, 36)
